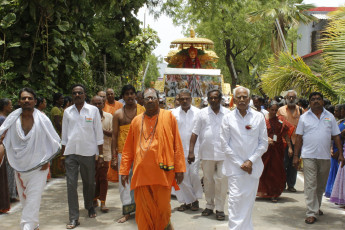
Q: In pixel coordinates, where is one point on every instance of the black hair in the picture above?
(56, 97)
(39, 101)
(273, 102)
(127, 88)
(326, 102)
(4, 102)
(220, 95)
(80, 85)
(66, 99)
(303, 102)
(314, 94)
(330, 108)
(29, 90)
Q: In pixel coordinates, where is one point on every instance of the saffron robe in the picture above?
(154, 166)
(112, 175)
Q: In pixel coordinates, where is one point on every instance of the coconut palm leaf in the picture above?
(333, 47)
(288, 72)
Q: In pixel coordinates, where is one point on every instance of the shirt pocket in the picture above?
(253, 131)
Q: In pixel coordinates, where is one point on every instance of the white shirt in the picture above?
(243, 138)
(186, 123)
(207, 127)
(317, 134)
(82, 132)
(263, 111)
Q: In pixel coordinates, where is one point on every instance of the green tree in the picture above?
(289, 13)
(152, 73)
(241, 45)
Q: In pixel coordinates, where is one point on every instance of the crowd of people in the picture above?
(250, 148)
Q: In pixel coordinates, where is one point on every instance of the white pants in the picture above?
(126, 195)
(242, 193)
(190, 188)
(30, 187)
(215, 184)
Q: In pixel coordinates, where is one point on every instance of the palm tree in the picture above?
(288, 72)
(283, 13)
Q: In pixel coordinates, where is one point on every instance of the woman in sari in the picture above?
(273, 179)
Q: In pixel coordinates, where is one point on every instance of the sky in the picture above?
(167, 32)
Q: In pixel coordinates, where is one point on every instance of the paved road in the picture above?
(287, 214)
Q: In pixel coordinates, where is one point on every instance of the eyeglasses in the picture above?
(77, 93)
(147, 99)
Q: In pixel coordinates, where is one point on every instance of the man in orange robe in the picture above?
(154, 147)
(110, 106)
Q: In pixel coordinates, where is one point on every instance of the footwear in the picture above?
(103, 207)
(220, 215)
(274, 199)
(292, 189)
(95, 203)
(72, 224)
(183, 207)
(194, 206)
(123, 219)
(207, 212)
(310, 220)
(92, 212)
(320, 213)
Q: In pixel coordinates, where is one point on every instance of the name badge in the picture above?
(274, 137)
(88, 119)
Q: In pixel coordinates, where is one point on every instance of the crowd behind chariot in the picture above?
(247, 147)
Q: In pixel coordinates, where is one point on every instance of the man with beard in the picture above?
(291, 112)
(154, 147)
(243, 140)
(31, 142)
(121, 123)
(102, 169)
(315, 131)
(207, 129)
(190, 188)
(82, 140)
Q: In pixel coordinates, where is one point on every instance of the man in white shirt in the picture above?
(243, 140)
(207, 129)
(190, 188)
(315, 130)
(82, 139)
(258, 103)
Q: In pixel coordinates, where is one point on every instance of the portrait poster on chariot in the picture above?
(199, 85)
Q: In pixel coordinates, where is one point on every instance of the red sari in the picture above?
(273, 179)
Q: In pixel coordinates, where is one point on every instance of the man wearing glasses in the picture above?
(82, 139)
(190, 188)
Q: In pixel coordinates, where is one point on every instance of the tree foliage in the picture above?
(50, 45)
(241, 45)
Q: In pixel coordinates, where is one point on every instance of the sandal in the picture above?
(310, 220)
(207, 212)
(194, 206)
(183, 207)
(220, 215)
(72, 224)
(274, 199)
(320, 213)
(92, 213)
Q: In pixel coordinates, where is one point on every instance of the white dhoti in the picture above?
(126, 195)
(190, 188)
(215, 184)
(30, 187)
(242, 193)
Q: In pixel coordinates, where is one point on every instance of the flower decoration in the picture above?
(248, 127)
